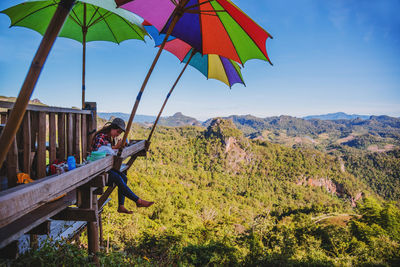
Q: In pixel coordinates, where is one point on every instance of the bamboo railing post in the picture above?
(177, 14)
(169, 94)
(32, 77)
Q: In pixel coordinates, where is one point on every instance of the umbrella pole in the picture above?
(177, 15)
(168, 95)
(84, 32)
(18, 111)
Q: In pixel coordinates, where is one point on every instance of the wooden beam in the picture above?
(41, 147)
(93, 233)
(98, 181)
(20, 200)
(61, 136)
(133, 149)
(52, 137)
(47, 109)
(41, 229)
(32, 219)
(76, 214)
(105, 196)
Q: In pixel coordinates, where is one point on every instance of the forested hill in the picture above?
(223, 199)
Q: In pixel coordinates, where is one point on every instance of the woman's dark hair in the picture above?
(105, 130)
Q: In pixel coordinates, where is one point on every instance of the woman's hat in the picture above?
(120, 123)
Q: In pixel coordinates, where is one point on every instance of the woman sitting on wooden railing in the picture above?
(106, 137)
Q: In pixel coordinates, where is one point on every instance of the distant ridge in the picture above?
(178, 119)
(337, 116)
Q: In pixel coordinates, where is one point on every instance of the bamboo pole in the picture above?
(84, 32)
(177, 14)
(18, 111)
(169, 94)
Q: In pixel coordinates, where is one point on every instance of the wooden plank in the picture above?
(26, 130)
(61, 136)
(133, 149)
(47, 109)
(70, 134)
(20, 200)
(34, 129)
(30, 220)
(52, 137)
(41, 229)
(41, 147)
(88, 130)
(77, 136)
(76, 214)
(84, 136)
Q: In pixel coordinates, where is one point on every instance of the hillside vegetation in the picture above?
(224, 199)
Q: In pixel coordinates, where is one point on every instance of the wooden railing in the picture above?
(46, 134)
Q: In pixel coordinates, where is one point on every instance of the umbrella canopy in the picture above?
(212, 66)
(209, 26)
(89, 20)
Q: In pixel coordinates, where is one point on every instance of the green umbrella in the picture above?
(89, 20)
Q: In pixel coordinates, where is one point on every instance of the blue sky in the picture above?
(328, 56)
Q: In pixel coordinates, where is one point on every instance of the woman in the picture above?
(106, 137)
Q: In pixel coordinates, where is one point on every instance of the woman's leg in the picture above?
(120, 180)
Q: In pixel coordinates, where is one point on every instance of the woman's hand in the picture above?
(118, 144)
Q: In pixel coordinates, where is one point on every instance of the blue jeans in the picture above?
(120, 179)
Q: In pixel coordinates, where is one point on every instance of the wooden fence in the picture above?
(46, 134)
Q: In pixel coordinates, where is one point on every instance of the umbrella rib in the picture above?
(226, 74)
(105, 21)
(94, 14)
(13, 24)
(131, 26)
(76, 19)
(199, 4)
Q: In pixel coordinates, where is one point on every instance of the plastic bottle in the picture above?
(71, 163)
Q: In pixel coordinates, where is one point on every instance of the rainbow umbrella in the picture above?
(211, 66)
(209, 26)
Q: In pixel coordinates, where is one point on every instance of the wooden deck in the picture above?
(29, 208)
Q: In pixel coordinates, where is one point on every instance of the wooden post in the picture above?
(77, 135)
(84, 136)
(52, 137)
(27, 162)
(16, 116)
(70, 134)
(3, 118)
(12, 165)
(61, 136)
(41, 147)
(91, 121)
